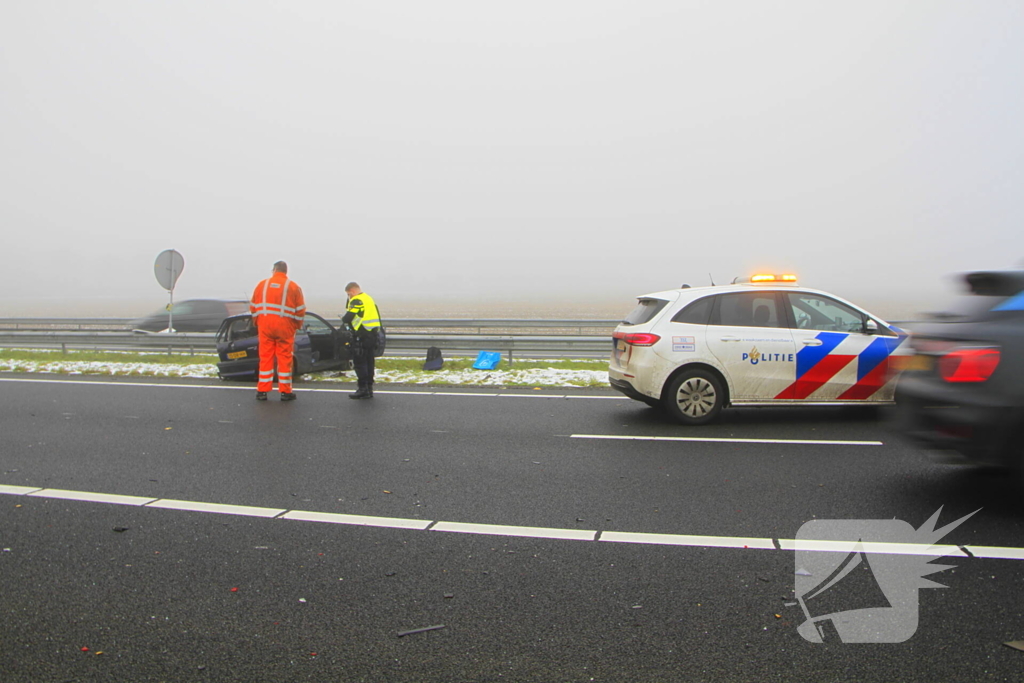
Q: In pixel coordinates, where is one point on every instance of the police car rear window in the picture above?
(645, 310)
(697, 313)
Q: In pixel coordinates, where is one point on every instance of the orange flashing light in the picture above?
(767, 277)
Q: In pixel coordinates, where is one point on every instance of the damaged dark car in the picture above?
(319, 347)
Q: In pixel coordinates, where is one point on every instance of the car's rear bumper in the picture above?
(945, 418)
(628, 389)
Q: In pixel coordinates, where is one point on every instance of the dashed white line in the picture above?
(357, 520)
(873, 547)
(525, 531)
(996, 553)
(323, 390)
(18, 490)
(990, 552)
(701, 541)
(90, 497)
(712, 439)
(195, 506)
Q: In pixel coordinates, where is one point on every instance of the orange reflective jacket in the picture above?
(278, 306)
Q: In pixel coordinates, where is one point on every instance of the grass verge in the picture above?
(396, 370)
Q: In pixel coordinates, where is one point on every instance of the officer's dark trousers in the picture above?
(363, 362)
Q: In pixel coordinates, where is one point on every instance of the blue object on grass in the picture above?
(487, 360)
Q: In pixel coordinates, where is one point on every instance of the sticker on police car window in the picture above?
(683, 344)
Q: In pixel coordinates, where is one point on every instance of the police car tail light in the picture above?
(638, 338)
(972, 364)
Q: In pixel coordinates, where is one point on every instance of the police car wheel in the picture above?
(694, 397)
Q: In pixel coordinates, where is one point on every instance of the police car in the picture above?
(763, 340)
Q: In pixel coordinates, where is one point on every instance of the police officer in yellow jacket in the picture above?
(362, 317)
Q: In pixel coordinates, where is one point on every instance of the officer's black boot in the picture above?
(361, 392)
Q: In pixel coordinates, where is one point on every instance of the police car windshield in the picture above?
(645, 310)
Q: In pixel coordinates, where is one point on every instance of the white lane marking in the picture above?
(124, 384)
(195, 506)
(786, 544)
(872, 547)
(531, 395)
(709, 439)
(527, 531)
(674, 539)
(18, 490)
(405, 393)
(606, 398)
(357, 520)
(300, 391)
(90, 497)
(995, 552)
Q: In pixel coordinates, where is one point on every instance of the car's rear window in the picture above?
(645, 310)
(696, 313)
(992, 294)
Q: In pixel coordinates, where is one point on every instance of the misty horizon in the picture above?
(455, 153)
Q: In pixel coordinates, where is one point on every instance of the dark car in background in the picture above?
(192, 315)
(963, 392)
(319, 346)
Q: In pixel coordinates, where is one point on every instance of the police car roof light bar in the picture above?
(767, 278)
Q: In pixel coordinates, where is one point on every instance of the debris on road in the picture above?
(420, 630)
(1015, 644)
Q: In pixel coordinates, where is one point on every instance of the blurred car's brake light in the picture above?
(638, 338)
(969, 364)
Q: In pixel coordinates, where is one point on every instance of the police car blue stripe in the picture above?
(809, 356)
(876, 352)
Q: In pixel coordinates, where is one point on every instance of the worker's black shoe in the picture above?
(287, 396)
(261, 396)
(361, 392)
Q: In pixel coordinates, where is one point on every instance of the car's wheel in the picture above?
(694, 397)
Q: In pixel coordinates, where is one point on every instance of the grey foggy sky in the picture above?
(486, 150)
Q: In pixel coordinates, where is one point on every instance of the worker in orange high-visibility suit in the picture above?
(278, 308)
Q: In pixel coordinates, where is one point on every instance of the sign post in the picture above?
(168, 267)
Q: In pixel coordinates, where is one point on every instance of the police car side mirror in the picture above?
(870, 327)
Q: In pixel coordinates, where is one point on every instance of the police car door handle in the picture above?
(812, 342)
(729, 338)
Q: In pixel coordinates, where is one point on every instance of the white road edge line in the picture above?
(524, 531)
(873, 547)
(784, 544)
(303, 390)
(710, 439)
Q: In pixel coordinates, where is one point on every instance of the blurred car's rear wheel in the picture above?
(694, 397)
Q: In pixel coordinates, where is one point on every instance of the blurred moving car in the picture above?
(963, 392)
(192, 315)
(319, 347)
(761, 341)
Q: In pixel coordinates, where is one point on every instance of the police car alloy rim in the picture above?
(697, 397)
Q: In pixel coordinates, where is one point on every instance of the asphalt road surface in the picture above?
(181, 531)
